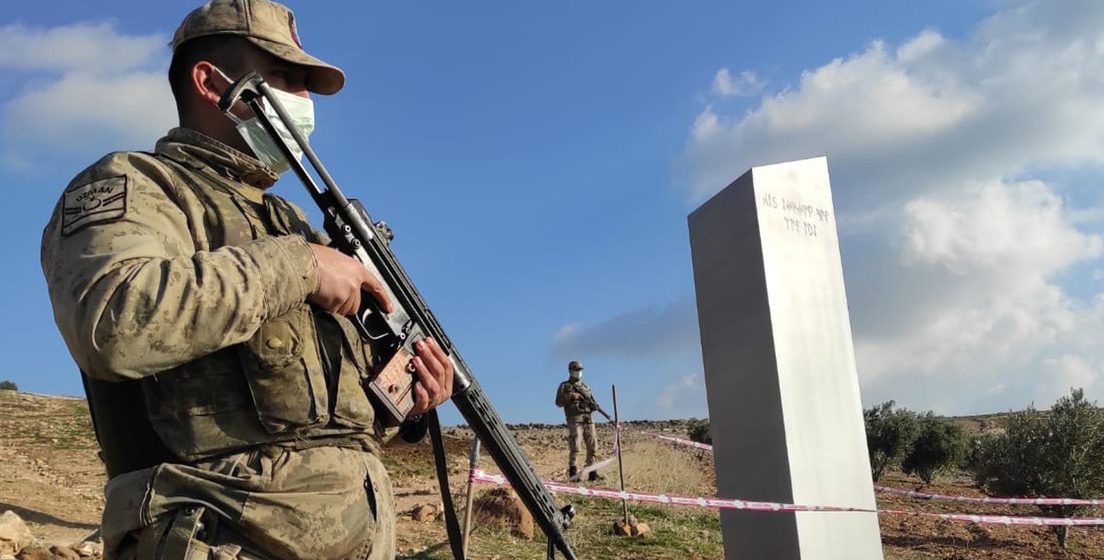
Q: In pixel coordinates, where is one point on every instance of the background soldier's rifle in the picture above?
(591, 405)
(353, 232)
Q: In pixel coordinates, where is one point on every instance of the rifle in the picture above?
(353, 232)
(593, 406)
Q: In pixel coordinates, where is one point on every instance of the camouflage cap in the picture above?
(574, 366)
(268, 25)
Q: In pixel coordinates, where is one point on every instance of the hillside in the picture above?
(51, 477)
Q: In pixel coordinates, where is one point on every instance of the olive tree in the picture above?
(939, 445)
(890, 432)
(699, 431)
(1047, 454)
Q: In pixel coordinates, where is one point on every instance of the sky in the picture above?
(538, 161)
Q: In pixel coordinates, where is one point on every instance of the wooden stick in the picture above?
(617, 443)
(473, 461)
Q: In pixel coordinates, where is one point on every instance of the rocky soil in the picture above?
(51, 481)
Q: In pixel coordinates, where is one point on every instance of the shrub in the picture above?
(889, 435)
(940, 444)
(1056, 454)
(699, 431)
(6, 385)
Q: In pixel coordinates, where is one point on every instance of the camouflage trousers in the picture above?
(580, 428)
(271, 503)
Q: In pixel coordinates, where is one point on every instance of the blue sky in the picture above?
(538, 162)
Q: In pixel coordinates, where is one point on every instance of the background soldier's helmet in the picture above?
(574, 366)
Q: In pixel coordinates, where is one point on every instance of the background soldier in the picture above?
(578, 403)
(208, 320)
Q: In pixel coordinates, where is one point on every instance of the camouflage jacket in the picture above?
(574, 408)
(180, 284)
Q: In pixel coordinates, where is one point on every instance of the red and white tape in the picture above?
(478, 475)
(712, 503)
(988, 500)
(681, 441)
(927, 496)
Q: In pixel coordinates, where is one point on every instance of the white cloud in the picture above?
(1064, 373)
(682, 397)
(747, 83)
(90, 89)
(78, 47)
(641, 332)
(1017, 229)
(566, 332)
(966, 264)
(995, 251)
(1022, 91)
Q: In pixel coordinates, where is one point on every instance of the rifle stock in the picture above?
(353, 232)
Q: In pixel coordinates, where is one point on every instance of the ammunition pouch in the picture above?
(173, 537)
(184, 535)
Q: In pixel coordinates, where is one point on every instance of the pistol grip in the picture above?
(392, 389)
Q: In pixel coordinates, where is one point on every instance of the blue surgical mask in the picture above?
(301, 113)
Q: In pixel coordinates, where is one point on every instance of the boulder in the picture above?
(424, 513)
(14, 534)
(502, 507)
(34, 552)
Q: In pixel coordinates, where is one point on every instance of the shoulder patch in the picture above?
(94, 203)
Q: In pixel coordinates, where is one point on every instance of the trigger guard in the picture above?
(364, 325)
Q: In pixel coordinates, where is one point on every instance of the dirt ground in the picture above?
(50, 476)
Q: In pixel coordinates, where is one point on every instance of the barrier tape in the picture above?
(928, 496)
(599, 465)
(681, 441)
(988, 500)
(481, 476)
(578, 477)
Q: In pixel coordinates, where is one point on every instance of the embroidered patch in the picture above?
(97, 202)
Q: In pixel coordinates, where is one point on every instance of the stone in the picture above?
(779, 366)
(14, 534)
(634, 527)
(622, 529)
(424, 513)
(90, 548)
(64, 553)
(502, 507)
(34, 552)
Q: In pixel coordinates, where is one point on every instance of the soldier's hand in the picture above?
(434, 371)
(341, 279)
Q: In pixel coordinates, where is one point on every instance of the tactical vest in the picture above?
(299, 378)
(574, 410)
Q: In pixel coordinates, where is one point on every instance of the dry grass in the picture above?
(661, 468)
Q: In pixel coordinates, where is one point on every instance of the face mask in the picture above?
(301, 113)
(575, 375)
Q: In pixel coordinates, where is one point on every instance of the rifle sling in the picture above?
(452, 523)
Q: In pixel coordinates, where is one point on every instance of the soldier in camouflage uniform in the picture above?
(575, 397)
(208, 319)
